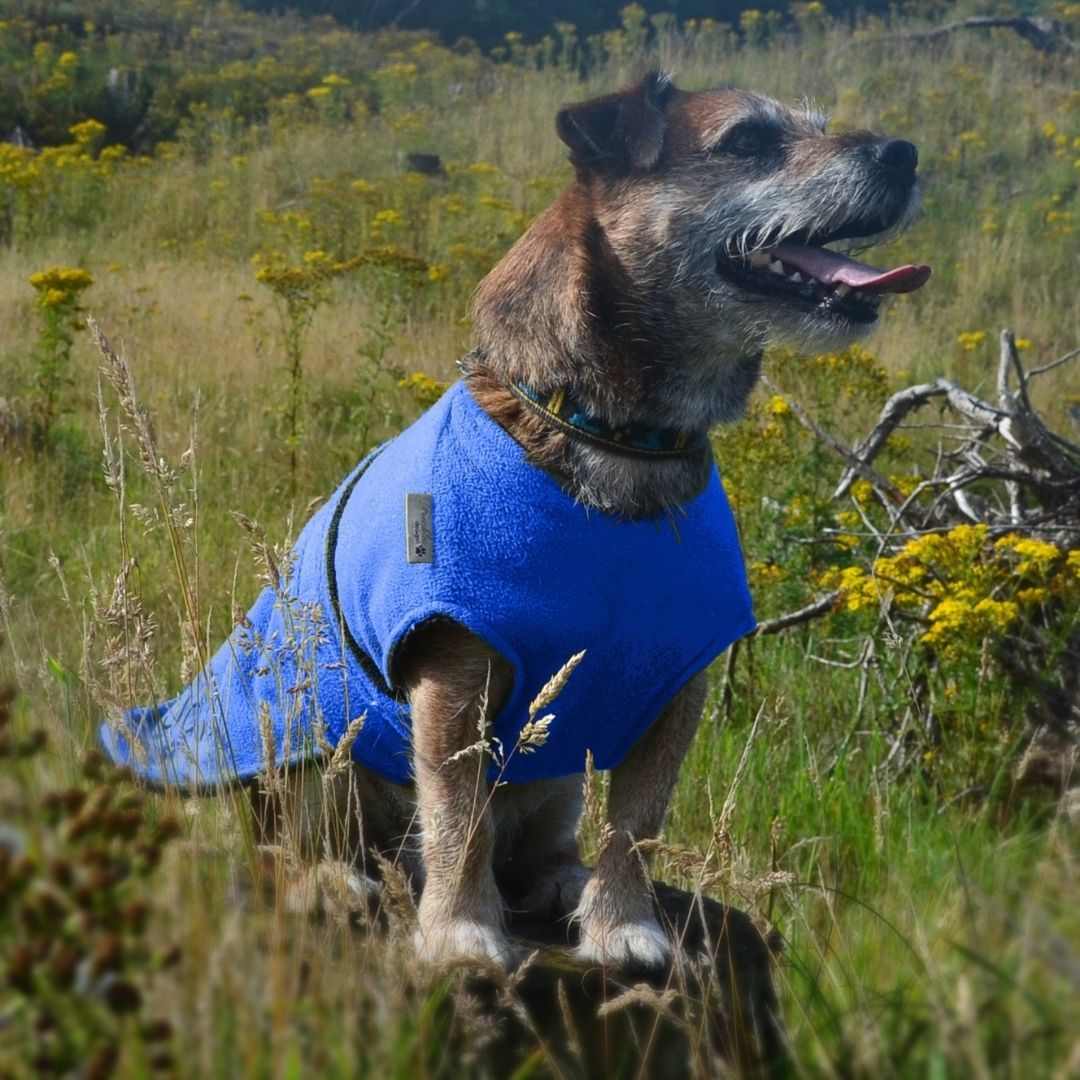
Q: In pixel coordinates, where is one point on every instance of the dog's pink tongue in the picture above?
(831, 268)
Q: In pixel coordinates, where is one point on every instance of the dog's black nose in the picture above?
(898, 155)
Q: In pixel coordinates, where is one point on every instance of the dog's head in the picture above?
(702, 226)
(725, 208)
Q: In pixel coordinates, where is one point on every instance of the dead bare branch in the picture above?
(806, 614)
(1046, 35)
(862, 468)
(1071, 355)
(896, 408)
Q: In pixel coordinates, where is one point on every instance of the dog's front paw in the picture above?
(619, 929)
(557, 892)
(462, 940)
(637, 946)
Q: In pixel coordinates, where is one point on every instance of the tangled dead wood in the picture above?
(1033, 472)
(999, 466)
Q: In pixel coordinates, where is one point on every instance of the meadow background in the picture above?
(230, 196)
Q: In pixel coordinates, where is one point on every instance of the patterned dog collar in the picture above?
(641, 440)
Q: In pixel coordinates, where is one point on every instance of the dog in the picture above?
(561, 499)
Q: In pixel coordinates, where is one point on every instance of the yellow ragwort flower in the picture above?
(970, 340)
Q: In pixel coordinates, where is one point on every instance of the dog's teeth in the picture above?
(759, 260)
(842, 290)
(797, 278)
(776, 266)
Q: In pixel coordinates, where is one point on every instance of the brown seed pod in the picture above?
(93, 761)
(156, 1031)
(102, 1061)
(120, 995)
(161, 1061)
(21, 969)
(108, 955)
(64, 965)
(62, 872)
(33, 743)
(133, 916)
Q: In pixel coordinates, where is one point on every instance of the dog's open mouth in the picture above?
(811, 275)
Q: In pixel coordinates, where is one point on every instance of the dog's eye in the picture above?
(748, 139)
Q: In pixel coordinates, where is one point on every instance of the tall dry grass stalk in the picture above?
(175, 516)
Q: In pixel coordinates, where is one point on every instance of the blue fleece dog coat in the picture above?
(514, 558)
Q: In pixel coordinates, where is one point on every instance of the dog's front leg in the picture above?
(455, 684)
(616, 915)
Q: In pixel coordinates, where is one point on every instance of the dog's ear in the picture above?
(621, 132)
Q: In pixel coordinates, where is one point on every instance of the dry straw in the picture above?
(171, 513)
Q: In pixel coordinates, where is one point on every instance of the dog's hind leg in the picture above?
(455, 684)
(616, 915)
(306, 832)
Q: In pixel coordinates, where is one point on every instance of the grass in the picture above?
(927, 932)
(914, 939)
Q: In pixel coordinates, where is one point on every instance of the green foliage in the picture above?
(298, 290)
(59, 290)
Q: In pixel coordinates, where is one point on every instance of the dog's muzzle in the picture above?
(800, 269)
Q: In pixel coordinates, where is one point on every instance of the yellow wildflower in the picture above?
(60, 286)
(859, 589)
(1035, 557)
(388, 217)
(766, 573)
(86, 132)
(424, 389)
(862, 491)
(396, 71)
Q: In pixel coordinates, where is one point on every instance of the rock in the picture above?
(427, 164)
(712, 1013)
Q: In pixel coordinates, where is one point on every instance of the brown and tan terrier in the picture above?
(628, 320)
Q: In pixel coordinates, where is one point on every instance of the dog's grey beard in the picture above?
(633, 487)
(707, 388)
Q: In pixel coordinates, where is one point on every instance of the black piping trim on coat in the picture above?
(359, 655)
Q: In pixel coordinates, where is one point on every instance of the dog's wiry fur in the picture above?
(613, 294)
